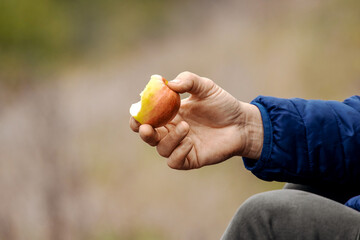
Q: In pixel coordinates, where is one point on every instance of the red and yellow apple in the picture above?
(159, 104)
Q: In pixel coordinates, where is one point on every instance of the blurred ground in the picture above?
(70, 168)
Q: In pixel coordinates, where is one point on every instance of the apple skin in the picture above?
(159, 104)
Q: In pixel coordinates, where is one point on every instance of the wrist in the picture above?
(254, 131)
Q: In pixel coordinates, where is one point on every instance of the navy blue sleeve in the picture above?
(309, 141)
(354, 203)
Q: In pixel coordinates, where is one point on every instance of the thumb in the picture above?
(191, 83)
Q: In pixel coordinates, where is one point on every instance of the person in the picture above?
(313, 145)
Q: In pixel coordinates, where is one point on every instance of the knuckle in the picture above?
(174, 164)
(181, 130)
(208, 81)
(163, 151)
(186, 75)
(146, 137)
(187, 141)
(152, 143)
(149, 140)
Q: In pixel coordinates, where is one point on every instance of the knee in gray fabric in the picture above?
(267, 201)
(253, 219)
(269, 206)
(288, 214)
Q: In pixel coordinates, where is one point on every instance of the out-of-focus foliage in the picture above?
(70, 167)
(37, 35)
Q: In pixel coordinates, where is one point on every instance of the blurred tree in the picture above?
(39, 35)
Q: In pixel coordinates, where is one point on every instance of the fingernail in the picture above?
(175, 81)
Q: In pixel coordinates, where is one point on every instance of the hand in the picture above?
(210, 127)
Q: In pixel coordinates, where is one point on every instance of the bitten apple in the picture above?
(159, 104)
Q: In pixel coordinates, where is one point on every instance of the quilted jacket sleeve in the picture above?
(354, 203)
(309, 141)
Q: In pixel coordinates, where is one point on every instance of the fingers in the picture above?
(167, 144)
(134, 125)
(165, 138)
(178, 158)
(150, 135)
(191, 83)
(170, 141)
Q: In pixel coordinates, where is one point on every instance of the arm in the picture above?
(299, 140)
(309, 141)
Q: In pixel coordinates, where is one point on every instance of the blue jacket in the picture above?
(310, 142)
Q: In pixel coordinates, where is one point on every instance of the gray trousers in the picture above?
(295, 212)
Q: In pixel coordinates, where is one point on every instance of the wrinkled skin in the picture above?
(210, 127)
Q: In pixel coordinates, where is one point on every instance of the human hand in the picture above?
(210, 127)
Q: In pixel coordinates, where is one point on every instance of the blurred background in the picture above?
(70, 167)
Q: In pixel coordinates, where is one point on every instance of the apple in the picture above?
(159, 104)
